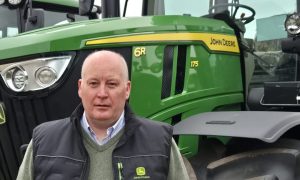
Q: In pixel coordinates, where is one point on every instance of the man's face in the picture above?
(104, 88)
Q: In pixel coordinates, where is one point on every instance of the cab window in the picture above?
(56, 18)
(8, 26)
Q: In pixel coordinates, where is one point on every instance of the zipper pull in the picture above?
(120, 169)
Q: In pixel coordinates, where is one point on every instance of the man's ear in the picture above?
(128, 89)
(79, 87)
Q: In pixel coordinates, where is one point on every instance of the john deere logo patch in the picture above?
(2, 114)
(141, 173)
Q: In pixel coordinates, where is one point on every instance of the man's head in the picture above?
(104, 86)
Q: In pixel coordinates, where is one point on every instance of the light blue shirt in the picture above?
(111, 131)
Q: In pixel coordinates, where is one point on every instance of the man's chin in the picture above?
(103, 117)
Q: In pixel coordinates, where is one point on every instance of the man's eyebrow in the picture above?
(113, 79)
(91, 79)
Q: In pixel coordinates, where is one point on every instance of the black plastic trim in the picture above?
(176, 119)
(167, 71)
(181, 63)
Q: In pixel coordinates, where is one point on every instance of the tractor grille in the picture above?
(22, 116)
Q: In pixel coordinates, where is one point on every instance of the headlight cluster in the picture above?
(292, 24)
(11, 2)
(35, 74)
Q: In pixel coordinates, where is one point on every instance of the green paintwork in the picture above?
(217, 74)
(71, 3)
(73, 36)
(215, 83)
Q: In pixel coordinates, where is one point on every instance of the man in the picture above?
(103, 139)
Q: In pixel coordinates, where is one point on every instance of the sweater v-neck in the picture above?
(112, 142)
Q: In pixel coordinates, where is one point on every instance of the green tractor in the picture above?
(224, 73)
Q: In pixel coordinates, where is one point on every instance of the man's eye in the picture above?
(93, 84)
(112, 84)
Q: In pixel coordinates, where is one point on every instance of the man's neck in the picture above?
(103, 129)
(100, 128)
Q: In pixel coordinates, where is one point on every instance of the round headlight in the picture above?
(16, 78)
(14, 2)
(45, 76)
(292, 24)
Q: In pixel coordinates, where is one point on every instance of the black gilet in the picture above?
(142, 152)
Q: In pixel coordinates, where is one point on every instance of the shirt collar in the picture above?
(111, 131)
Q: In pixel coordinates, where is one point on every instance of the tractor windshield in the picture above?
(263, 34)
(8, 22)
(263, 8)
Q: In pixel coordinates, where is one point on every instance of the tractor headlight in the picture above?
(16, 78)
(292, 24)
(14, 2)
(34, 74)
(45, 75)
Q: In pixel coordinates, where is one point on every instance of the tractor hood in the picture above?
(263, 125)
(74, 36)
(70, 3)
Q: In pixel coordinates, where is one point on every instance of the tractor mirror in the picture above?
(85, 6)
(35, 19)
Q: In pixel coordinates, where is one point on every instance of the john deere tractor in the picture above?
(223, 72)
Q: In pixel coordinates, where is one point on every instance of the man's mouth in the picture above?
(102, 105)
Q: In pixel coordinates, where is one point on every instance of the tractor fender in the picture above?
(267, 126)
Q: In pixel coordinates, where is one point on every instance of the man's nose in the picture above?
(102, 91)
